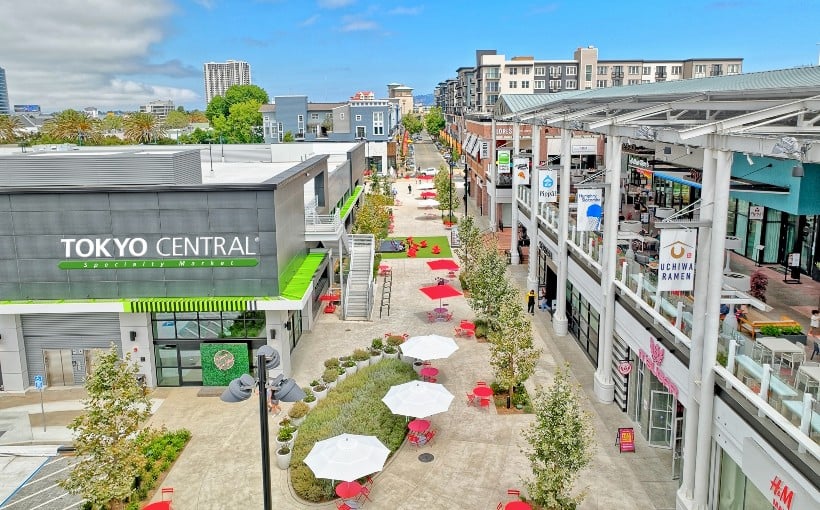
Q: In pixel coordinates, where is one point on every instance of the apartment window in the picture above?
(618, 70)
(342, 116)
(603, 69)
(733, 68)
(633, 82)
(492, 87)
(525, 70)
(572, 71)
(540, 71)
(555, 84)
(647, 70)
(539, 84)
(513, 84)
(717, 69)
(634, 69)
(555, 71)
(588, 72)
(700, 70)
(360, 133)
(281, 132)
(646, 81)
(314, 116)
(492, 98)
(676, 70)
(358, 118)
(513, 70)
(378, 123)
(601, 84)
(525, 84)
(572, 84)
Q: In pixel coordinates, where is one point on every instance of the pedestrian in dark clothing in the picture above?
(531, 302)
(410, 189)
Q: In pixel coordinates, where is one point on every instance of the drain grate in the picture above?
(426, 457)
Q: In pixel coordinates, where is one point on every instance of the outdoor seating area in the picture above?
(753, 327)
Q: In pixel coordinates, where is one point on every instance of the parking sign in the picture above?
(38, 382)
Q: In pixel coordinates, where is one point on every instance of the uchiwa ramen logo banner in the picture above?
(676, 259)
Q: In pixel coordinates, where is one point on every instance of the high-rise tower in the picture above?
(219, 76)
(5, 109)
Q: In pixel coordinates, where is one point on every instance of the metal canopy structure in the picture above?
(771, 113)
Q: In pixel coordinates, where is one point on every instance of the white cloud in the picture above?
(406, 11)
(208, 4)
(71, 54)
(334, 4)
(309, 21)
(353, 24)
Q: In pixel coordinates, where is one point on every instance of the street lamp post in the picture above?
(450, 188)
(241, 389)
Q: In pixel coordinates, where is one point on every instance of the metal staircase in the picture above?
(360, 284)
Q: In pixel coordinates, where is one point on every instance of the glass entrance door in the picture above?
(661, 407)
(178, 364)
(677, 445)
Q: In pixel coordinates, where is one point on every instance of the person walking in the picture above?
(542, 299)
(815, 322)
(410, 189)
(531, 302)
(273, 404)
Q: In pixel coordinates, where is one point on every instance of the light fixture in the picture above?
(132, 335)
(273, 334)
(667, 150)
(286, 390)
(287, 325)
(797, 170)
(749, 160)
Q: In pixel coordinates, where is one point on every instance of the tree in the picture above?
(244, 117)
(434, 121)
(143, 128)
(512, 354)
(218, 106)
(71, 126)
(373, 217)
(412, 124)
(105, 432)
(444, 189)
(470, 241)
(177, 119)
(487, 281)
(9, 127)
(111, 123)
(243, 93)
(287, 137)
(560, 444)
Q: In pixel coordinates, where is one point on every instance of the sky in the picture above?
(118, 54)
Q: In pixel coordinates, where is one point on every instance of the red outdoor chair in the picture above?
(431, 317)
(514, 492)
(430, 434)
(414, 440)
(485, 402)
(364, 494)
(470, 399)
(481, 383)
(500, 506)
(167, 491)
(341, 505)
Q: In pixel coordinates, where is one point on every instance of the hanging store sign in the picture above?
(521, 174)
(589, 209)
(654, 361)
(547, 186)
(676, 264)
(756, 212)
(485, 150)
(503, 162)
(163, 253)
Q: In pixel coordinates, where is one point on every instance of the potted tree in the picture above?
(332, 362)
(361, 357)
(285, 437)
(394, 341)
(350, 366)
(283, 455)
(319, 389)
(376, 350)
(390, 352)
(310, 399)
(330, 376)
(297, 413)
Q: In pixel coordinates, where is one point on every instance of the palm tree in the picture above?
(143, 128)
(8, 128)
(72, 126)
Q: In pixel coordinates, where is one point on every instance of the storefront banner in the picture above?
(654, 362)
(548, 186)
(676, 259)
(756, 212)
(589, 209)
(521, 176)
(772, 480)
(503, 162)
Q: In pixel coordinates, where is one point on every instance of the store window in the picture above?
(584, 322)
(736, 492)
(208, 325)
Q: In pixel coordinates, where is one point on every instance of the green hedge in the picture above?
(355, 407)
(160, 448)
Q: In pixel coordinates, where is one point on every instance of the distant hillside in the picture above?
(425, 99)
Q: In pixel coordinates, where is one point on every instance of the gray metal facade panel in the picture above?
(145, 222)
(134, 201)
(67, 331)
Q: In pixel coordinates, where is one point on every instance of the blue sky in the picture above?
(112, 54)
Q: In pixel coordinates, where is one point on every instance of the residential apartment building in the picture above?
(403, 94)
(5, 109)
(159, 109)
(219, 76)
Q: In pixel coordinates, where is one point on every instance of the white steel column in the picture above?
(514, 259)
(603, 385)
(532, 270)
(492, 180)
(559, 320)
(711, 327)
(685, 495)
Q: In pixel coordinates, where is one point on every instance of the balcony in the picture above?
(617, 74)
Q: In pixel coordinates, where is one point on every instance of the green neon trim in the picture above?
(156, 263)
(205, 304)
(350, 201)
(298, 274)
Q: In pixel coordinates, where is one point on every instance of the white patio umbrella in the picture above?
(426, 203)
(418, 399)
(347, 457)
(429, 347)
(425, 185)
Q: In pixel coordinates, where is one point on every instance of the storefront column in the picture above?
(559, 320)
(711, 327)
(514, 258)
(685, 495)
(136, 337)
(13, 354)
(603, 385)
(492, 181)
(532, 271)
(278, 337)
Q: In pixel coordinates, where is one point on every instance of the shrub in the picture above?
(360, 355)
(757, 285)
(349, 363)
(377, 343)
(389, 349)
(298, 410)
(481, 328)
(330, 375)
(309, 396)
(791, 330)
(161, 448)
(769, 330)
(355, 407)
(315, 383)
(285, 433)
(332, 362)
(395, 340)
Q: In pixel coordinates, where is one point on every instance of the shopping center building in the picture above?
(187, 264)
(690, 169)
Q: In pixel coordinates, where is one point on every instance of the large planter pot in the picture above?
(320, 394)
(297, 421)
(391, 355)
(330, 385)
(363, 364)
(796, 339)
(312, 403)
(342, 377)
(288, 443)
(375, 358)
(283, 460)
(351, 370)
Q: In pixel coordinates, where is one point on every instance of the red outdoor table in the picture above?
(348, 490)
(483, 391)
(418, 425)
(429, 371)
(158, 505)
(517, 505)
(467, 325)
